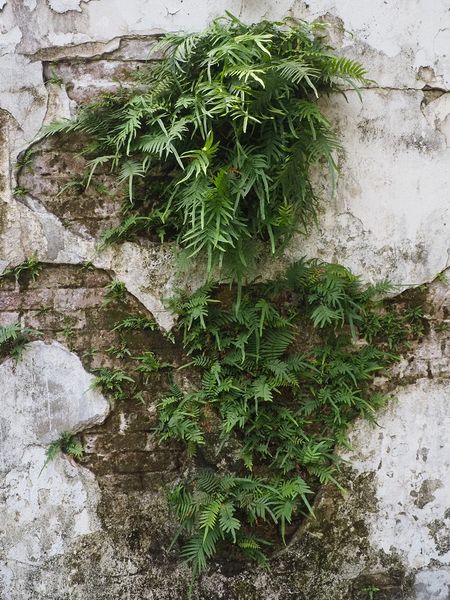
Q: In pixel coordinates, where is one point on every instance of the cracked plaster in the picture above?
(389, 217)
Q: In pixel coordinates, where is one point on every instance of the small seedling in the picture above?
(149, 364)
(30, 267)
(25, 160)
(442, 277)
(88, 266)
(67, 444)
(20, 192)
(77, 184)
(371, 591)
(115, 292)
(13, 339)
(112, 382)
(54, 78)
(121, 351)
(68, 330)
(135, 324)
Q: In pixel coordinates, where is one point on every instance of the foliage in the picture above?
(25, 159)
(119, 351)
(396, 328)
(20, 192)
(132, 323)
(113, 382)
(149, 363)
(220, 508)
(54, 78)
(215, 142)
(214, 146)
(13, 338)
(115, 292)
(371, 590)
(67, 444)
(282, 375)
(29, 268)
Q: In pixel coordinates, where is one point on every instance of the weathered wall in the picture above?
(101, 530)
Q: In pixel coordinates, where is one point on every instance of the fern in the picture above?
(283, 411)
(30, 268)
(67, 444)
(230, 118)
(13, 338)
(214, 147)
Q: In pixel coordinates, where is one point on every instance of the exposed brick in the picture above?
(10, 300)
(54, 321)
(67, 303)
(140, 462)
(69, 298)
(37, 298)
(7, 318)
(124, 482)
(103, 443)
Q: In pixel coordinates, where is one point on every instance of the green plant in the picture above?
(214, 147)
(13, 338)
(68, 330)
(219, 137)
(132, 323)
(68, 444)
(78, 184)
(371, 590)
(43, 310)
(442, 277)
(31, 268)
(221, 508)
(282, 375)
(116, 291)
(441, 326)
(88, 266)
(149, 363)
(119, 351)
(395, 327)
(54, 78)
(25, 160)
(20, 192)
(113, 381)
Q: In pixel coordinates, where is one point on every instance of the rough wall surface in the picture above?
(101, 530)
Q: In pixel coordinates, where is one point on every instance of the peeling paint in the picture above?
(389, 216)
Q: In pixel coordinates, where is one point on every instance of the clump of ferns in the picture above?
(67, 444)
(215, 146)
(28, 270)
(116, 383)
(217, 140)
(282, 375)
(14, 337)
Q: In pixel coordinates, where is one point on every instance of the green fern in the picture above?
(229, 120)
(67, 444)
(283, 411)
(13, 339)
(29, 268)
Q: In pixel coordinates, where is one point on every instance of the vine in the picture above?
(214, 145)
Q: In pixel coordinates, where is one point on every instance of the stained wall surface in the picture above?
(102, 529)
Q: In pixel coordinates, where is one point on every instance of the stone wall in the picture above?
(101, 529)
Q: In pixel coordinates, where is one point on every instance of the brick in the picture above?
(55, 321)
(7, 318)
(71, 299)
(37, 298)
(113, 442)
(140, 462)
(10, 300)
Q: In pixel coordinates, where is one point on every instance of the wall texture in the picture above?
(101, 529)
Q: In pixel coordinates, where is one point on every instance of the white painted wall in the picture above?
(388, 218)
